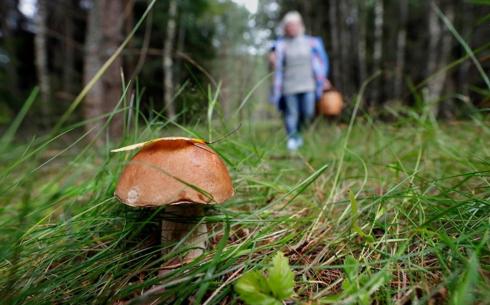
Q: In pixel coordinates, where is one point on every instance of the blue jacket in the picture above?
(320, 66)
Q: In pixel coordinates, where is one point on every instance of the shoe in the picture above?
(299, 142)
(292, 144)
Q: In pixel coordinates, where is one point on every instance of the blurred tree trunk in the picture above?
(466, 22)
(401, 43)
(112, 29)
(93, 103)
(180, 47)
(307, 15)
(377, 49)
(168, 85)
(104, 35)
(438, 56)
(345, 46)
(6, 8)
(334, 31)
(41, 51)
(68, 75)
(446, 48)
(362, 41)
(129, 59)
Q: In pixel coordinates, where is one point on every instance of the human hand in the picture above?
(327, 85)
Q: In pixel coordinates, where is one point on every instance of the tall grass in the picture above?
(416, 224)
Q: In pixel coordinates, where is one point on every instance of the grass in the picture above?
(406, 202)
(369, 213)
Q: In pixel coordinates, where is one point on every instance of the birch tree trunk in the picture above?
(401, 43)
(439, 51)
(104, 34)
(42, 58)
(112, 29)
(168, 85)
(378, 49)
(92, 107)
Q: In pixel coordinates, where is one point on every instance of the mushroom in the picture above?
(182, 174)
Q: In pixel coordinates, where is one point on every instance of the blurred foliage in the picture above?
(220, 43)
(355, 28)
(203, 27)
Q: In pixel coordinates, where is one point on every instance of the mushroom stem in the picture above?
(180, 223)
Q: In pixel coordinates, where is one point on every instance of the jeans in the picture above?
(299, 111)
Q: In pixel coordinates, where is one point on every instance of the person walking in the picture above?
(300, 75)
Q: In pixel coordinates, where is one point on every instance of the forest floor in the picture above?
(407, 203)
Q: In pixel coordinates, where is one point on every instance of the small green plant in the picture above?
(355, 215)
(357, 286)
(255, 288)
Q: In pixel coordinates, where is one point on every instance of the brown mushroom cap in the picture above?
(174, 171)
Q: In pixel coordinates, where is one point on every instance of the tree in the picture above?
(466, 16)
(345, 35)
(168, 85)
(104, 35)
(362, 39)
(401, 43)
(42, 58)
(336, 50)
(68, 76)
(7, 9)
(438, 55)
(378, 48)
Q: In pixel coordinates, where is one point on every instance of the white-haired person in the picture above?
(300, 76)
